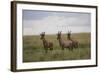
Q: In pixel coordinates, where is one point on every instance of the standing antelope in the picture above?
(47, 44)
(64, 44)
(74, 42)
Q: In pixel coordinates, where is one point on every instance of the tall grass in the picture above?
(33, 50)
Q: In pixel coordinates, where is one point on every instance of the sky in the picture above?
(50, 22)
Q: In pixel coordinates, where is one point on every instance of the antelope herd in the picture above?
(69, 43)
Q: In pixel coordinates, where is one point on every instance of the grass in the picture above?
(33, 50)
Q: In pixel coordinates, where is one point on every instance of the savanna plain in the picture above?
(33, 50)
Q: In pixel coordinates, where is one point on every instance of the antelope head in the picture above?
(69, 35)
(42, 35)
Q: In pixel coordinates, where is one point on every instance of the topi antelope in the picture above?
(64, 44)
(47, 44)
(74, 42)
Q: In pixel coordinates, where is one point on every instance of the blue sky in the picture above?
(35, 22)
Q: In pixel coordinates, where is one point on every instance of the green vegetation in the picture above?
(33, 50)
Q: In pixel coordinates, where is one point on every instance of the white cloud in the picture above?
(53, 24)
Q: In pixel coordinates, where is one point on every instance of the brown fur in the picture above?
(63, 43)
(74, 42)
(47, 44)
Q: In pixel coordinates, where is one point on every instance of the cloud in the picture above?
(54, 23)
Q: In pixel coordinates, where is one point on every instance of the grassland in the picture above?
(33, 50)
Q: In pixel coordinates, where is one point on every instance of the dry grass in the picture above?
(33, 50)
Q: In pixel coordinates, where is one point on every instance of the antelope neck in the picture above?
(60, 41)
(44, 40)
